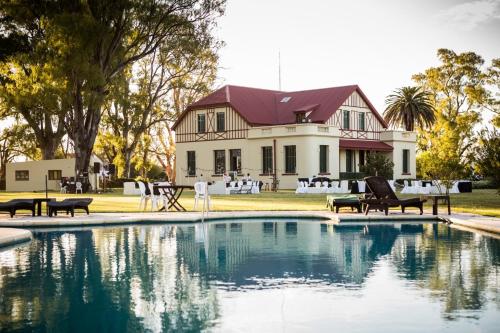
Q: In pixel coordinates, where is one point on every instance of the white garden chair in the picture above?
(324, 186)
(344, 186)
(144, 197)
(200, 192)
(361, 186)
(334, 188)
(454, 188)
(79, 187)
(156, 198)
(255, 187)
(391, 184)
(407, 189)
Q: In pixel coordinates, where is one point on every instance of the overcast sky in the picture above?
(378, 44)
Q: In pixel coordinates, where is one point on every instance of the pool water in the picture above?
(261, 276)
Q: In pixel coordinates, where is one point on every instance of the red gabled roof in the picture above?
(365, 145)
(264, 107)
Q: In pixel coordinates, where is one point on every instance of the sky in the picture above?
(377, 44)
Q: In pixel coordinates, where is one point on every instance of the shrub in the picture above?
(378, 165)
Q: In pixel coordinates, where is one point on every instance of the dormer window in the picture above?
(300, 117)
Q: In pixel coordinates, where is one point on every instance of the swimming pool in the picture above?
(261, 275)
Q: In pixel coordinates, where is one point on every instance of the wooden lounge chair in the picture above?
(17, 204)
(381, 196)
(69, 206)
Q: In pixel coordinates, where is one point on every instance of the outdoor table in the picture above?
(172, 193)
(435, 201)
(38, 204)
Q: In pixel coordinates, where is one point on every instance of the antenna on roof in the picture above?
(279, 70)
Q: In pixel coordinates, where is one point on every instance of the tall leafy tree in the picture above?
(460, 95)
(92, 42)
(30, 89)
(409, 106)
(186, 66)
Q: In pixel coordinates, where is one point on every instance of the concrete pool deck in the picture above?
(9, 235)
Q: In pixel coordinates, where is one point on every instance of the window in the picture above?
(348, 161)
(235, 160)
(22, 175)
(290, 159)
(201, 123)
(221, 123)
(323, 159)
(361, 118)
(361, 157)
(300, 117)
(267, 160)
(406, 160)
(220, 161)
(55, 174)
(346, 114)
(191, 163)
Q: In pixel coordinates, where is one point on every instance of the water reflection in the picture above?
(178, 277)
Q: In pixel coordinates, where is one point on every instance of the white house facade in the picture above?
(324, 132)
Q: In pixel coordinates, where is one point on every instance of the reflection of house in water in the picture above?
(245, 252)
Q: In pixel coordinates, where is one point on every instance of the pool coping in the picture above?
(9, 226)
(14, 236)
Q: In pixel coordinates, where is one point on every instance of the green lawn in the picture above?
(485, 202)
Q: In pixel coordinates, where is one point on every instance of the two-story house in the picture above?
(293, 134)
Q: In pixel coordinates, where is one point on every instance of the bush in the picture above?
(484, 184)
(378, 165)
(118, 182)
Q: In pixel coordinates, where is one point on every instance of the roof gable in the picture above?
(271, 107)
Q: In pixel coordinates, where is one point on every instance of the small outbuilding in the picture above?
(30, 175)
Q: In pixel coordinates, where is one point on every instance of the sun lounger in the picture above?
(382, 197)
(69, 206)
(18, 204)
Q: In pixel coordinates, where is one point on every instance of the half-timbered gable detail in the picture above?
(222, 123)
(356, 120)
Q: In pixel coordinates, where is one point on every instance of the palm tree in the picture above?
(408, 106)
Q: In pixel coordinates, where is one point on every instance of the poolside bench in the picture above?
(18, 204)
(69, 206)
(344, 201)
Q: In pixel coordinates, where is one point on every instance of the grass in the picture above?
(483, 202)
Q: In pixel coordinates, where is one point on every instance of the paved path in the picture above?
(9, 235)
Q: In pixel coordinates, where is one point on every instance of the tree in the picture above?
(92, 42)
(377, 164)
(29, 92)
(186, 64)
(459, 94)
(408, 106)
(16, 140)
(488, 156)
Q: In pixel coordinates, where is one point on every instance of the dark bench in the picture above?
(69, 206)
(339, 202)
(18, 204)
